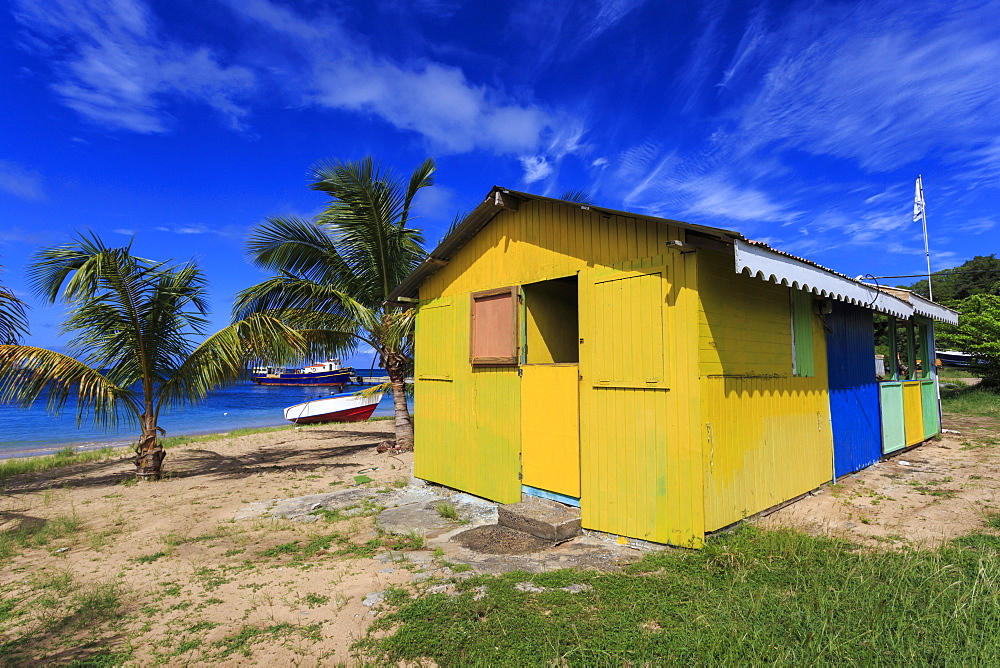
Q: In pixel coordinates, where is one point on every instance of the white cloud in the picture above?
(713, 196)
(881, 85)
(330, 67)
(536, 168)
(127, 233)
(20, 181)
(977, 225)
(111, 65)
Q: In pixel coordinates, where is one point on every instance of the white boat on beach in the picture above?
(346, 407)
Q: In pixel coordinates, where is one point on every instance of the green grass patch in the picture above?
(175, 441)
(447, 511)
(34, 533)
(65, 457)
(970, 401)
(951, 373)
(150, 558)
(747, 598)
(249, 635)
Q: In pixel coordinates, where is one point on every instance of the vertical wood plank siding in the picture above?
(766, 434)
(471, 441)
(854, 394)
(640, 448)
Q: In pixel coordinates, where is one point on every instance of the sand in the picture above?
(210, 582)
(188, 583)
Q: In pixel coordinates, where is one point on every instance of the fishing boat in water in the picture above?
(346, 407)
(324, 374)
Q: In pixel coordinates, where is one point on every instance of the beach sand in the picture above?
(188, 577)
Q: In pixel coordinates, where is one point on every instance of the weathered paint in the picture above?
(475, 448)
(893, 420)
(640, 448)
(802, 333)
(929, 407)
(766, 434)
(550, 428)
(913, 414)
(854, 400)
(640, 454)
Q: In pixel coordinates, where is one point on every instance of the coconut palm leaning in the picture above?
(13, 321)
(131, 354)
(335, 272)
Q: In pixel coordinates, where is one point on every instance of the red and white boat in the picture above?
(346, 407)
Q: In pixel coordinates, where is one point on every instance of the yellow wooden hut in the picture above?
(662, 376)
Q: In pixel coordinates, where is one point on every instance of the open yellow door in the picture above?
(550, 428)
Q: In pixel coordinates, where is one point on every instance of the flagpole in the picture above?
(923, 217)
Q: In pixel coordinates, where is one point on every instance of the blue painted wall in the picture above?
(854, 399)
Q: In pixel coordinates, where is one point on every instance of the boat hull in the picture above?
(336, 408)
(323, 379)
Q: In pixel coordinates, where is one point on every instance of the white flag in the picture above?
(918, 200)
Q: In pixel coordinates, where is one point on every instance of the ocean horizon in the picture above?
(33, 431)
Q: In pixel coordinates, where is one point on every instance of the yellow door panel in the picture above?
(550, 428)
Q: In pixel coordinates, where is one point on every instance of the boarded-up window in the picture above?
(434, 356)
(803, 363)
(494, 327)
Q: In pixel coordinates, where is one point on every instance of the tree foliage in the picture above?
(132, 324)
(978, 334)
(978, 276)
(13, 318)
(334, 273)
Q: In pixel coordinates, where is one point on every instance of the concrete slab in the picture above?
(545, 519)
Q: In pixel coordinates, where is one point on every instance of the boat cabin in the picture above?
(668, 379)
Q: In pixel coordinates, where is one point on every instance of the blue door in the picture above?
(854, 395)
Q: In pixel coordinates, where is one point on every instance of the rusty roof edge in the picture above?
(485, 212)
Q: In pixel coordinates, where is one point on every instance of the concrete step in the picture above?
(541, 518)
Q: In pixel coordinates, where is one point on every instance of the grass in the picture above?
(970, 401)
(447, 511)
(69, 457)
(65, 457)
(747, 598)
(952, 372)
(37, 533)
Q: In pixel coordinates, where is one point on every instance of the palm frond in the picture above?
(223, 358)
(13, 317)
(294, 295)
(367, 219)
(28, 373)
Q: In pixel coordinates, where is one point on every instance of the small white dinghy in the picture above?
(347, 407)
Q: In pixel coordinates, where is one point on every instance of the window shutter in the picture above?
(434, 355)
(494, 327)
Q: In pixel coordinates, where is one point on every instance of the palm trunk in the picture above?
(149, 453)
(404, 425)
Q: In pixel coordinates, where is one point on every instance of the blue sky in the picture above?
(803, 124)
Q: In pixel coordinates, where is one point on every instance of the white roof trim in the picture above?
(933, 310)
(784, 270)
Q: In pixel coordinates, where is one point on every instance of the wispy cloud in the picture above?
(330, 67)
(881, 84)
(194, 229)
(20, 181)
(110, 64)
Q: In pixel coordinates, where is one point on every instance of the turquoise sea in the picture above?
(35, 432)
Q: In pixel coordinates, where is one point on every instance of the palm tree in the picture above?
(335, 272)
(13, 321)
(131, 354)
